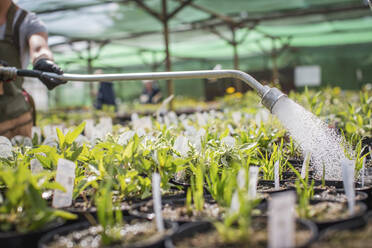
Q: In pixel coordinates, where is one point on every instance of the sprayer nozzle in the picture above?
(271, 96)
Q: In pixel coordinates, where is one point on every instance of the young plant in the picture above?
(197, 186)
(68, 148)
(305, 191)
(267, 164)
(220, 181)
(110, 218)
(359, 158)
(236, 226)
(22, 208)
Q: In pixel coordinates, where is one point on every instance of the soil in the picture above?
(269, 189)
(177, 211)
(81, 206)
(330, 211)
(357, 238)
(130, 234)
(258, 238)
(334, 196)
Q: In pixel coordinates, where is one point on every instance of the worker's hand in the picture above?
(47, 65)
(3, 63)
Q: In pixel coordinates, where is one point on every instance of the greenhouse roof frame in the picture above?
(307, 22)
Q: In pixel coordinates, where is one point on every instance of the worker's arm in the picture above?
(39, 48)
(42, 59)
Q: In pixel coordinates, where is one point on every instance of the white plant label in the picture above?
(88, 129)
(146, 122)
(258, 120)
(235, 205)
(81, 139)
(202, 121)
(196, 140)
(66, 177)
(125, 137)
(240, 178)
(276, 175)
(166, 120)
(253, 178)
(157, 201)
(306, 162)
(36, 166)
(231, 129)
(48, 130)
(229, 141)
(5, 147)
(50, 141)
(236, 116)
(134, 117)
(348, 179)
(140, 132)
(105, 123)
(173, 117)
(21, 140)
(282, 220)
(181, 145)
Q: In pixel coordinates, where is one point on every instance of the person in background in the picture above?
(106, 94)
(23, 37)
(151, 92)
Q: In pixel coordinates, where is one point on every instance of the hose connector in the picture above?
(271, 96)
(8, 73)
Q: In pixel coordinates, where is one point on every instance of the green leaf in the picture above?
(45, 161)
(53, 185)
(74, 156)
(64, 214)
(61, 138)
(360, 120)
(225, 133)
(128, 151)
(350, 127)
(71, 136)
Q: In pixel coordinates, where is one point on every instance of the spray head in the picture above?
(271, 96)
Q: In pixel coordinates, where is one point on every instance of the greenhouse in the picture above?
(185, 123)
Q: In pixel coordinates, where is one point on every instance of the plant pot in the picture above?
(174, 209)
(83, 228)
(338, 236)
(84, 213)
(268, 187)
(368, 191)
(22, 240)
(296, 162)
(355, 220)
(183, 185)
(203, 234)
(339, 196)
(291, 176)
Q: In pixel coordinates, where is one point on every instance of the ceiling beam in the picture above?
(179, 8)
(199, 25)
(282, 15)
(79, 6)
(215, 14)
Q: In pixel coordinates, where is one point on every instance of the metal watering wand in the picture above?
(269, 96)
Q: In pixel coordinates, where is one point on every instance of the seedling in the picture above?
(23, 209)
(305, 191)
(268, 164)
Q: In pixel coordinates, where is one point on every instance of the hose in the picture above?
(269, 95)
